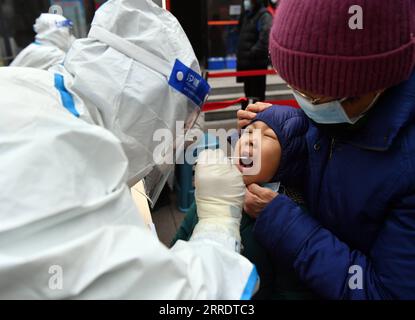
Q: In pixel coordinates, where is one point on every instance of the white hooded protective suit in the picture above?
(52, 42)
(69, 141)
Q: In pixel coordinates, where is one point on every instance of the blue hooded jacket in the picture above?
(356, 240)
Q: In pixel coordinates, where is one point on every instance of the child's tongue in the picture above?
(246, 162)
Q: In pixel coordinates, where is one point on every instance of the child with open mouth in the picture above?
(263, 155)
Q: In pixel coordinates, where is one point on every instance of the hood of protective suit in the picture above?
(54, 29)
(123, 69)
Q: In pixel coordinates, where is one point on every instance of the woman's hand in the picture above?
(246, 116)
(256, 199)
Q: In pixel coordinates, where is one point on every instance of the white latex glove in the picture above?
(219, 194)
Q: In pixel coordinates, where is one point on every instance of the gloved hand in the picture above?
(219, 194)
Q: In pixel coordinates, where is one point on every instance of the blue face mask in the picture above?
(247, 5)
(329, 113)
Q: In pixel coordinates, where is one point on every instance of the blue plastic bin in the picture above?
(230, 63)
(216, 63)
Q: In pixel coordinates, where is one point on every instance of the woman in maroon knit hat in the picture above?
(350, 65)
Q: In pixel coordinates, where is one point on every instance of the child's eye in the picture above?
(246, 131)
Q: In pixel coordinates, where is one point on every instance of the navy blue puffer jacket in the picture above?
(356, 240)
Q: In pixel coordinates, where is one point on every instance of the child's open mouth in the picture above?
(246, 162)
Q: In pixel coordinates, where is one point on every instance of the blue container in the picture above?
(216, 63)
(184, 183)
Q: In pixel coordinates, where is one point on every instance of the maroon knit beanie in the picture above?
(314, 49)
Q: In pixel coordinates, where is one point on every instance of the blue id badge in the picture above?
(190, 83)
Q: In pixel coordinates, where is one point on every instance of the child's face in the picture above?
(268, 151)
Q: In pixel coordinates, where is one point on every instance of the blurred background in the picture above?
(211, 26)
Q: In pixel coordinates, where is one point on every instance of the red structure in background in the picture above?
(223, 23)
(247, 73)
(210, 106)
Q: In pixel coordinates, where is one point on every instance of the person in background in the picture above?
(252, 54)
(52, 42)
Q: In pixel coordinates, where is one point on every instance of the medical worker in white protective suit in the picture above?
(52, 42)
(69, 142)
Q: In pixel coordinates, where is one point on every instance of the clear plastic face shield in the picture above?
(193, 92)
(52, 21)
(169, 152)
(168, 117)
(55, 29)
(66, 25)
(56, 9)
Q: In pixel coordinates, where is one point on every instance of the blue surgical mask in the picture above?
(247, 5)
(273, 186)
(329, 113)
(64, 24)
